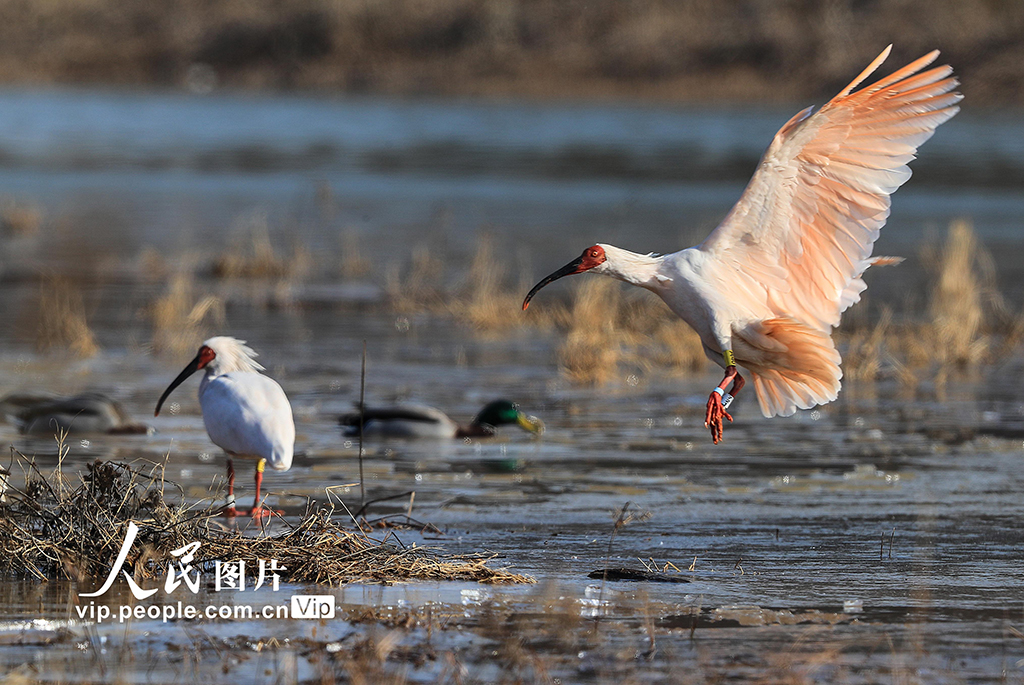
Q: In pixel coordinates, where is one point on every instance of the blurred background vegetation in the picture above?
(677, 50)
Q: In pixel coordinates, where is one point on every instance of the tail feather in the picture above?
(793, 365)
(851, 295)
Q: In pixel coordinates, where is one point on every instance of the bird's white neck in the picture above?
(639, 269)
(227, 363)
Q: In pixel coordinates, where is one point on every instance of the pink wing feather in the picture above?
(807, 221)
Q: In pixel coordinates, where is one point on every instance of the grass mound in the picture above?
(52, 527)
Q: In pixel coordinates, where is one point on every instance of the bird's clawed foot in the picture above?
(713, 417)
(257, 512)
(261, 512)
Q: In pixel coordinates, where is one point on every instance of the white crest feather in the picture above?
(232, 355)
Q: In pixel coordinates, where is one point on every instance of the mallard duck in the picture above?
(419, 421)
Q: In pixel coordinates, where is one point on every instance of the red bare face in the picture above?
(591, 257)
(206, 355)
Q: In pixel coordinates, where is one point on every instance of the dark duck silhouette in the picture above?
(419, 421)
(87, 412)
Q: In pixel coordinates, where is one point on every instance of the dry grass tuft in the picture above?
(656, 338)
(52, 527)
(419, 286)
(354, 264)
(610, 330)
(19, 219)
(62, 321)
(180, 318)
(863, 359)
(488, 299)
(681, 348)
(967, 320)
(252, 255)
(484, 300)
(957, 311)
(592, 349)
(152, 265)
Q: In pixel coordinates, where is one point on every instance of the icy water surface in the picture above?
(856, 541)
(875, 539)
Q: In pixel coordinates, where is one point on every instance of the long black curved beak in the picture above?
(569, 269)
(192, 367)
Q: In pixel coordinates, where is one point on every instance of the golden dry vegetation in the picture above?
(606, 333)
(53, 525)
(62, 321)
(252, 255)
(967, 326)
(181, 318)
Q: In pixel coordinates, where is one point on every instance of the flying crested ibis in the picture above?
(418, 421)
(766, 288)
(246, 414)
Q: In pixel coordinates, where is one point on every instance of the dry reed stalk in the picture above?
(354, 264)
(483, 301)
(863, 359)
(956, 310)
(654, 337)
(421, 287)
(52, 527)
(913, 343)
(592, 349)
(1012, 338)
(152, 265)
(681, 348)
(608, 329)
(62, 321)
(966, 312)
(906, 369)
(252, 255)
(487, 300)
(180, 318)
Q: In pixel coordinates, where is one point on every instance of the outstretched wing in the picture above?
(806, 223)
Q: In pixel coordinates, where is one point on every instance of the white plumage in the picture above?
(767, 287)
(245, 413)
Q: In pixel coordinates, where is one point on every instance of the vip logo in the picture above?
(312, 606)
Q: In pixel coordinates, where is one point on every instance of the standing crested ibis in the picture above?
(769, 284)
(246, 414)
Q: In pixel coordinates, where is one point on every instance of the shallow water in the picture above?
(865, 540)
(844, 535)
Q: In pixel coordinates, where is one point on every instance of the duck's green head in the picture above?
(506, 413)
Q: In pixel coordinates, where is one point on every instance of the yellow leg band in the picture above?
(260, 465)
(730, 358)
